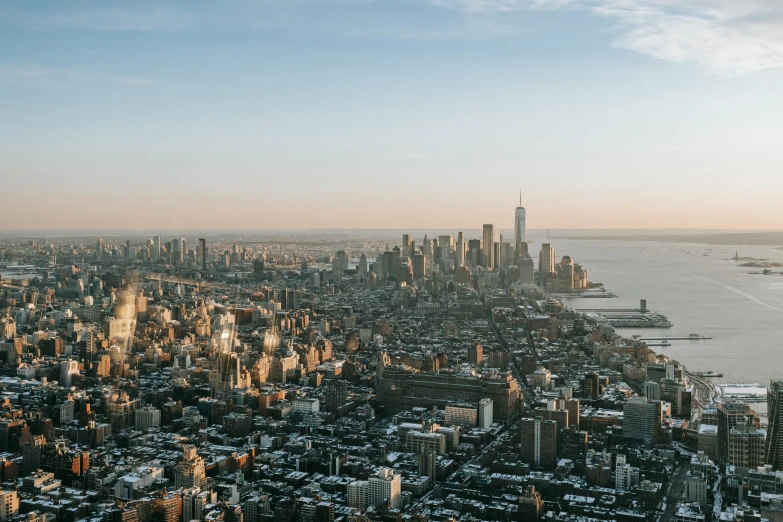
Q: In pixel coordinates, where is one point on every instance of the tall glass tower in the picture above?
(520, 229)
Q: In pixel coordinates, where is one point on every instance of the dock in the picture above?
(689, 338)
(626, 317)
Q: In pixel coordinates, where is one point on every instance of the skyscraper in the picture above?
(488, 246)
(459, 258)
(189, 472)
(156, 247)
(203, 252)
(774, 444)
(731, 415)
(539, 443)
(175, 251)
(642, 419)
(520, 229)
(546, 262)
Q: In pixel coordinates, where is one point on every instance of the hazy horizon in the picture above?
(554, 233)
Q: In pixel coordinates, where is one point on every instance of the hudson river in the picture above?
(707, 295)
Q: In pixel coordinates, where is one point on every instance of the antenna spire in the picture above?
(520, 198)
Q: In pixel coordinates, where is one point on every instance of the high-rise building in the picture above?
(473, 255)
(520, 230)
(336, 393)
(626, 476)
(99, 247)
(147, 417)
(156, 247)
(531, 505)
(363, 265)
(488, 246)
(642, 419)
(446, 244)
(385, 486)
(527, 270)
(419, 265)
(459, 256)
(406, 244)
(476, 354)
(428, 466)
(485, 413)
(746, 444)
(546, 262)
(774, 445)
(539, 443)
(730, 415)
(202, 242)
(190, 472)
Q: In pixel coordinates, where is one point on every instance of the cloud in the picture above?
(15, 73)
(726, 37)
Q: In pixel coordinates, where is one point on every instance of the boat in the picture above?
(708, 374)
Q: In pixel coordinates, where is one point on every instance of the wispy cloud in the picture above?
(726, 37)
(15, 73)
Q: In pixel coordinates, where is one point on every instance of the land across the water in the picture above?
(727, 238)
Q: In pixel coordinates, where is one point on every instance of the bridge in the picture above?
(163, 278)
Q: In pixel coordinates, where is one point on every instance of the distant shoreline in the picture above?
(754, 239)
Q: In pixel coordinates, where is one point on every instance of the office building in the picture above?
(428, 466)
(626, 476)
(385, 486)
(730, 415)
(419, 265)
(399, 389)
(459, 256)
(531, 505)
(642, 419)
(156, 247)
(488, 246)
(652, 391)
(774, 444)
(382, 487)
(485, 416)
(520, 230)
(461, 415)
(147, 417)
(203, 253)
(539, 443)
(546, 262)
(527, 270)
(336, 393)
(476, 354)
(446, 245)
(189, 471)
(745, 446)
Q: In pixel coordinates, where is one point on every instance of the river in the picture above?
(707, 295)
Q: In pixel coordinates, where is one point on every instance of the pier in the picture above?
(689, 338)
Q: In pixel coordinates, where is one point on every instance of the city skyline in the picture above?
(604, 113)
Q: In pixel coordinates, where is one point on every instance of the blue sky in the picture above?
(391, 113)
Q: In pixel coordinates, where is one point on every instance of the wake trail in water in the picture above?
(749, 297)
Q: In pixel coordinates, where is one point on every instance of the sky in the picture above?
(302, 114)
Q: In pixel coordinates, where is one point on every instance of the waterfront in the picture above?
(707, 295)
